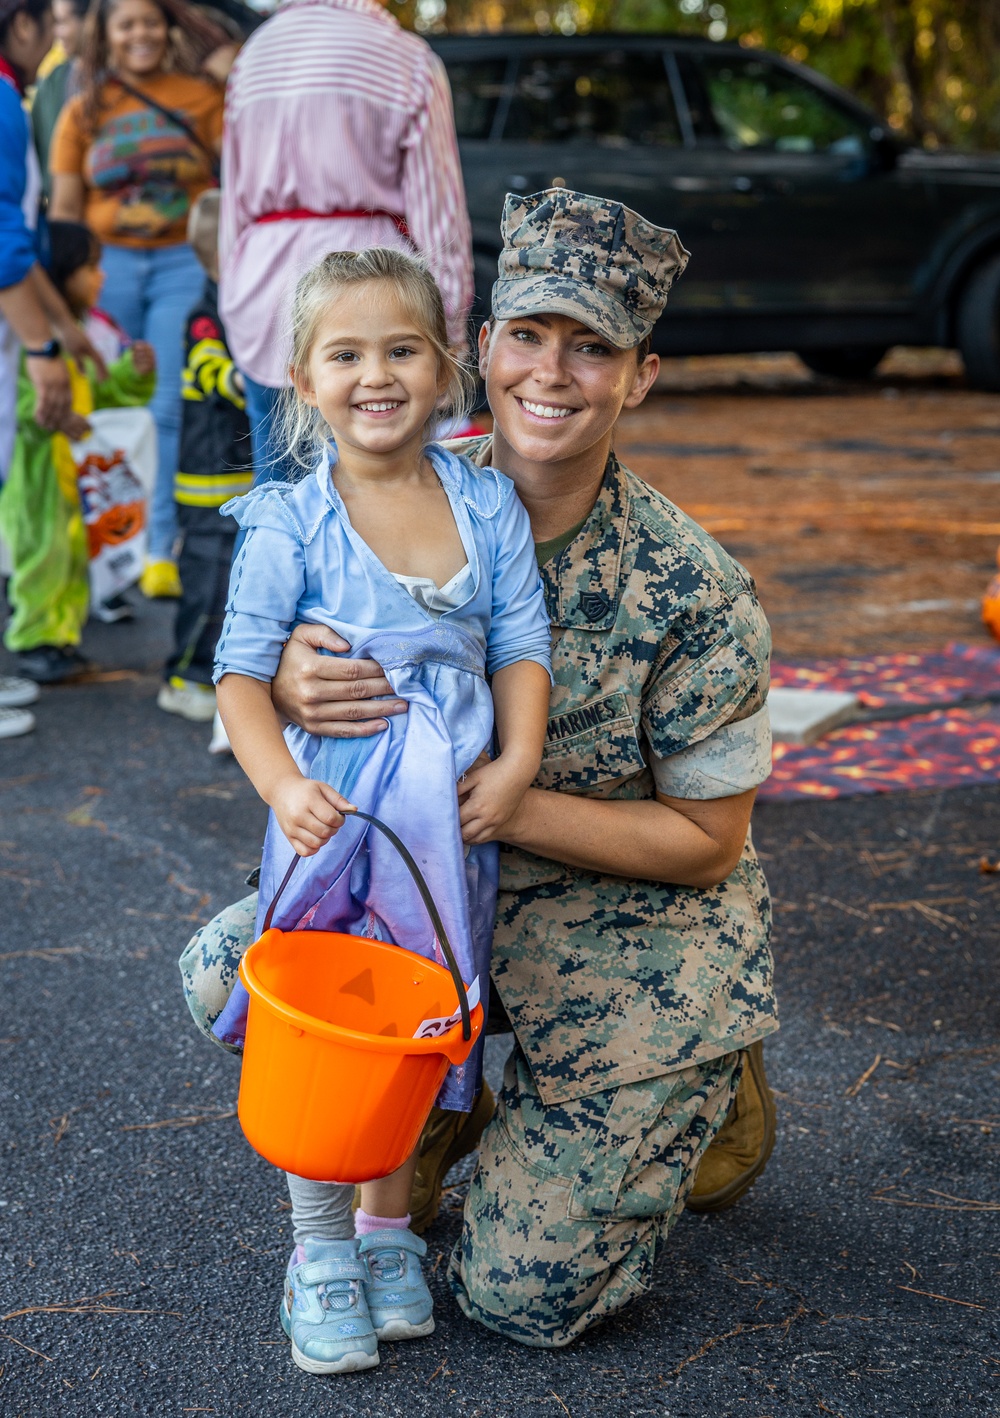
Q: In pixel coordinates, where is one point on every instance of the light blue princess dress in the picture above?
(302, 561)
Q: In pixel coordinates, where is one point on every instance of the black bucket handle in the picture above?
(425, 896)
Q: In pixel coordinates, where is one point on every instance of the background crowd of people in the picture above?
(117, 117)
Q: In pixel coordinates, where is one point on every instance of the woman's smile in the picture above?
(141, 53)
(544, 411)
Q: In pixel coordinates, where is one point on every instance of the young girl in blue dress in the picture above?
(425, 563)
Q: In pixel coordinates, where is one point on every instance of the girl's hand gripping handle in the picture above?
(308, 812)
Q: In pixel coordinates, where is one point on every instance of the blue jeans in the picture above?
(150, 293)
(270, 461)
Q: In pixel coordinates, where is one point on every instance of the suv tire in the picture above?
(850, 362)
(978, 325)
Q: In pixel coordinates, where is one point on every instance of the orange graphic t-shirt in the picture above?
(141, 172)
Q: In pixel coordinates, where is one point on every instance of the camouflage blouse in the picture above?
(658, 642)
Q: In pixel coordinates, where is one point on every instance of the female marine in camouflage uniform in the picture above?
(631, 952)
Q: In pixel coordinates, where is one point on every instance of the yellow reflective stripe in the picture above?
(190, 499)
(244, 479)
(193, 499)
(194, 491)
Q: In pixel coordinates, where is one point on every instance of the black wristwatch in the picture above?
(50, 350)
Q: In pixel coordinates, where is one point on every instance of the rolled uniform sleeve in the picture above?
(733, 759)
(706, 718)
(519, 626)
(265, 586)
(718, 671)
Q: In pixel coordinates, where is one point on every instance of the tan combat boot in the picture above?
(446, 1137)
(739, 1151)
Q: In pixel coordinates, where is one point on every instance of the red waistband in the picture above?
(302, 214)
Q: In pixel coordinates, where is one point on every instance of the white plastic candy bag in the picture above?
(116, 472)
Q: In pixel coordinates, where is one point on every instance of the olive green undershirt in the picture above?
(546, 551)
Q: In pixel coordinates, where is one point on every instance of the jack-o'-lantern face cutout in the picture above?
(118, 524)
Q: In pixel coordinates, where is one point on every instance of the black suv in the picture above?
(811, 227)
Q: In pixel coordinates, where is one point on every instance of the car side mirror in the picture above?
(884, 150)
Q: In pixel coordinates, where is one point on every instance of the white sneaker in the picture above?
(15, 693)
(111, 611)
(220, 739)
(14, 722)
(188, 699)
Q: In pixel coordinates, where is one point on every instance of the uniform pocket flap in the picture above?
(595, 743)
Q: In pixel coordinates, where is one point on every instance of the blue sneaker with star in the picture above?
(399, 1302)
(324, 1310)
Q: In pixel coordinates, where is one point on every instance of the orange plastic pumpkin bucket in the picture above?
(335, 1084)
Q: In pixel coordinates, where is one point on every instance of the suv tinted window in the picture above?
(617, 100)
(754, 104)
(476, 86)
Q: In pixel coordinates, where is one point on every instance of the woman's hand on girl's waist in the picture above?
(328, 695)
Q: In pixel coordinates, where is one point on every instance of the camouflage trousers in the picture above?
(211, 960)
(568, 1202)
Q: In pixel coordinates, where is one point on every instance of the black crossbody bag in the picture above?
(177, 119)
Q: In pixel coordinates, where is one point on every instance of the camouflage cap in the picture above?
(569, 254)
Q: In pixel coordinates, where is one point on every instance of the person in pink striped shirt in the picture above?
(339, 135)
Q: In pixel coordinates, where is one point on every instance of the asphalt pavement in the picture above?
(142, 1243)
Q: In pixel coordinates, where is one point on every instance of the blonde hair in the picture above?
(203, 230)
(304, 431)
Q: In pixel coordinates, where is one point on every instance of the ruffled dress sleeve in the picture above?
(266, 584)
(519, 627)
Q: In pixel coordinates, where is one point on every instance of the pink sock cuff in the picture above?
(365, 1224)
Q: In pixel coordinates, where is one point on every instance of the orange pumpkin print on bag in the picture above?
(114, 507)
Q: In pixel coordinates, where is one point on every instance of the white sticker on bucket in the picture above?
(434, 1028)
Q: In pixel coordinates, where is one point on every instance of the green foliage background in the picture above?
(930, 67)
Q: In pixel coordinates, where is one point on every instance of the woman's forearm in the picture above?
(648, 840)
(59, 314)
(22, 307)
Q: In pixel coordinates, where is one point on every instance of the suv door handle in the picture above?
(743, 184)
